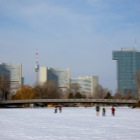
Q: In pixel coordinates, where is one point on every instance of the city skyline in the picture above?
(77, 34)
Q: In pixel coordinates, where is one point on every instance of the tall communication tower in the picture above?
(36, 67)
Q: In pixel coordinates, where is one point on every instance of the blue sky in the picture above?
(79, 34)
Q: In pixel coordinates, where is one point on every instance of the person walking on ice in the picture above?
(55, 109)
(97, 110)
(113, 111)
(103, 111)
(60, 108)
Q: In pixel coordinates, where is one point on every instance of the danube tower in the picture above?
(36, 67)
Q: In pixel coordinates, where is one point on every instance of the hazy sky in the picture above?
(79, 34)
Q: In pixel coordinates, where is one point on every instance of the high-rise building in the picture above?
(87, 84)
(128, 64)
(61, 78)
(13, 74)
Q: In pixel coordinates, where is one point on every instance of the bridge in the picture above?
(68, 101)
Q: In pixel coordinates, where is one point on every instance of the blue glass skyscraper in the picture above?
(128, 64)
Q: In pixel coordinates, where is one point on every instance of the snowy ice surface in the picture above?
(77, 123)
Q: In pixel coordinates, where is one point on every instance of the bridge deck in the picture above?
(117, 101)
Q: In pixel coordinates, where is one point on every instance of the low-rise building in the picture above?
(87, 84)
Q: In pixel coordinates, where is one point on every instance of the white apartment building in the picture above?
(87, 84)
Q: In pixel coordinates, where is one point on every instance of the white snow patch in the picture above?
(77, 123)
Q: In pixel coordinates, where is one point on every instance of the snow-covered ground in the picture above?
(77, 123)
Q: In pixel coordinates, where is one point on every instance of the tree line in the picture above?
(49, 90)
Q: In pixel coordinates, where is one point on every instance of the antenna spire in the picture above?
(36, 66)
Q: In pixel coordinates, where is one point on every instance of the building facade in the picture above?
(128, 64)
(13, 74)
(61, 78)
(87, 84)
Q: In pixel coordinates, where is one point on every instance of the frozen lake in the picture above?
(77, 123)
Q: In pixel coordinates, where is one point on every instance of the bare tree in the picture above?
(108, 96)
(138, 82)
(75, 87)
(38, 92)
(50, 90)
(4, 85)
(127, 95)
(100, 92)
(117, 96)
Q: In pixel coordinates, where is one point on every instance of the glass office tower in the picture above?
(128, 63)
(14, 74)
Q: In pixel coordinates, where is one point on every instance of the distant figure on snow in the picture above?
(55, 109)
(97, 110)
(103, 111)
(113, 111)
(60, 108)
